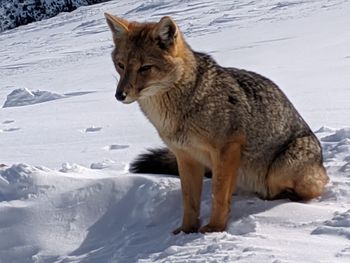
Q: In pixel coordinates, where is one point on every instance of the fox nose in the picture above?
(120, 95)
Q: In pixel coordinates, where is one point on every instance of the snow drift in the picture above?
(66, 194)
(22, 97)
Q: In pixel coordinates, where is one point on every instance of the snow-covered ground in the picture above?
(66, 194)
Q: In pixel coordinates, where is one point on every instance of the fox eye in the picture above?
(145, 68)
(121, 65)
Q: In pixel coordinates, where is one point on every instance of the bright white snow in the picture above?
(66, 194)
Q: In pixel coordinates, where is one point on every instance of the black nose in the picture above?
(120, 95)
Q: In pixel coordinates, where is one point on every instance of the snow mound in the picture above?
(22, 97)
(339, 225)
(243, 226)
(102, 165)
(324, 129)
(18, 182)
(338, 135)
(72, 168)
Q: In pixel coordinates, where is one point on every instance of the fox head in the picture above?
(147, 56)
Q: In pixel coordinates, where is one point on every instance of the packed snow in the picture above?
(338, 225)
(65, 191)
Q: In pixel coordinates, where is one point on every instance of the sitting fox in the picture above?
(233, 123)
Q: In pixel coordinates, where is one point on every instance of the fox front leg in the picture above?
(191, 176)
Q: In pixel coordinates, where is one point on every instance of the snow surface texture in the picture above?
(14, 13)
(66, 194)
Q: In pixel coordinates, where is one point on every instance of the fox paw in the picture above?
(188, 229)
(211, 228)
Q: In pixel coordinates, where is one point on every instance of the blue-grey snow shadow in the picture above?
(113, 147)
(78, 93)
(141, 223)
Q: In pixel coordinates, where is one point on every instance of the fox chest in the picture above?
(171, 125)
(172, 130)
(179, 133)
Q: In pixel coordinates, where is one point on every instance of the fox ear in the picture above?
(166, 32)
(117, 25)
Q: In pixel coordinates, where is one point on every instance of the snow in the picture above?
(338, 225)
(22, 97)
(340, 135)
(66, 194)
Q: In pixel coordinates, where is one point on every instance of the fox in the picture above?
(231, 124)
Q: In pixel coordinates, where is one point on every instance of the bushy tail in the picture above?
(157, 161)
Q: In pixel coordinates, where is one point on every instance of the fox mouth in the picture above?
(145, 92)
(124, 97)
(129, 100)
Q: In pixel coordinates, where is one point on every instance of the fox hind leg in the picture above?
(225, 171)
(297, 172)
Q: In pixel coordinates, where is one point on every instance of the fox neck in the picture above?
(166, 109)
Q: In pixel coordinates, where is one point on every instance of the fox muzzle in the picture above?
(120, 95)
